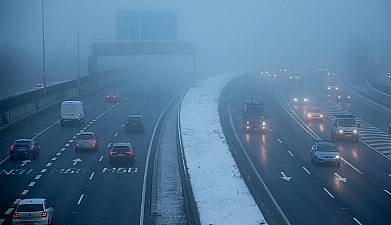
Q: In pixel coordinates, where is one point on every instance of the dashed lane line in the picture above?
(54, 158)
(67, 145)
(17, 201)
(58, 154)
(5, 159)
(353, 167)
(63, 149)
(327, 191)
(92, 175)
(24, 192)
(43, 170)
(49, 164)
(357, 221)
(279, 140)
(290, 153)
(100, 160)
(306, 170)
(70, 141)
(9, 211)
(38, 177)
(387, 191)
(80, 199)
(31, 184)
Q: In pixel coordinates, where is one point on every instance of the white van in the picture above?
(72, 111)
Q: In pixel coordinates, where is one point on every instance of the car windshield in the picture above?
(314, 110)
(134, 119)
(22, 143)
(121, 149)
(332, 83)
(85, 136)
(30, 208)
(327, 147)
(347, 122)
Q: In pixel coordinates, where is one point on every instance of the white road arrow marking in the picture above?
(24, 162)
(285, 177)
(343, 179)
(75, 161)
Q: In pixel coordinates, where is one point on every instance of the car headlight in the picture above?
(328, 88)
(340, 131)
(321, 115)
(247, 122)
(348, 97)
(263, 123)
(309, 115)
(295, 99)
(337, 156)
(306, 99)
(336, 88)
(247, 127)
(339, 96)
(354, 131)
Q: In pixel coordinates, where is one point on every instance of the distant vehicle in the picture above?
(345, 126)
(342, 98)
(38, 86)
(112, 97)
(33, 211)
(25, 149)
(325, 151)
(300, 99)
(121, 152)
(314, 114)
(254, 118)
(389, 75)
(87, 141)
(134, 123)
(332, 87)
(294, 77)
(72, 111)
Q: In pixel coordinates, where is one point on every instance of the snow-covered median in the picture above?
(221, 195)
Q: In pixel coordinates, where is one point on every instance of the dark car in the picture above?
(112, 97)
(24, 149)
(342, 98)
(325, 151)
(121, 152)
(134, 123)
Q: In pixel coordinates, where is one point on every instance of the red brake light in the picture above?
(44, 214)
(11, 148)
(111, 152)
(15, 215)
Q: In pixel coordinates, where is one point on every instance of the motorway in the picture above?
(359, 192)
(83, 187)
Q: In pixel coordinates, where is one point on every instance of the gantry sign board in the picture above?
(147, 25)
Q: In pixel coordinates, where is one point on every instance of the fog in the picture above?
(351, 37)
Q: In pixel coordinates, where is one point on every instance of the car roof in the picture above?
(24, 139)
(32, 201)
(136, 116)
(86, 132)
(119, 144)
(71, 102)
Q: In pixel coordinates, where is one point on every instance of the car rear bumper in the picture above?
(38, 221)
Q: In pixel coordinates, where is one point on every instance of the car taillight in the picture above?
(93, 142)
(44, 214)
(11, 148)
(111, 152)
(15, 215)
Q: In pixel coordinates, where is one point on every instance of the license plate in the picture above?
(121, 154)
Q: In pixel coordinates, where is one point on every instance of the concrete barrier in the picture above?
(16, 108)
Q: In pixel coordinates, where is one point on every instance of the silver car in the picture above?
(325, 151)
(87, 141)
(33, 211)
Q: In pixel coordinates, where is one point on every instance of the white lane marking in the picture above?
(81, 131)
(92, 175)
(305, 169)
(271, 130)
(290, 153)
(343, 179)
(43, 170)
(5, 159)
(88, 125)
(387, 191)
(285, 177)
(25, 162)
(75, 161)
(49, 164)
(84, 128)
(116, 134)
(279, 140)
(54, 159)
(38, 177)
(70, 141)
(80, 199)
(8, 211)
(123, 125)
(25, 192)
(100, 160)
(58, 154)
(324, 189)
(63, 149)
(17, 201)
(2, 221)
(385, 152)
(74, 137)
(357, 221)
(108, 145)
(31, 184)
(46, 129)
(353, 167)
(93, 121)
(67, 145)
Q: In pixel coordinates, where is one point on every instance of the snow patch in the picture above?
(221, 195)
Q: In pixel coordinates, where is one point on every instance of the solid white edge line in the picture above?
(24, 192)
(327, 191)
(306, 170)
(357, 221)
(9, 210)
(144, 190)
(80, 199)
(353, 167)
(285, 218)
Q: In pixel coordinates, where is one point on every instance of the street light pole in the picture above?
(78, 46)
(43, 48)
